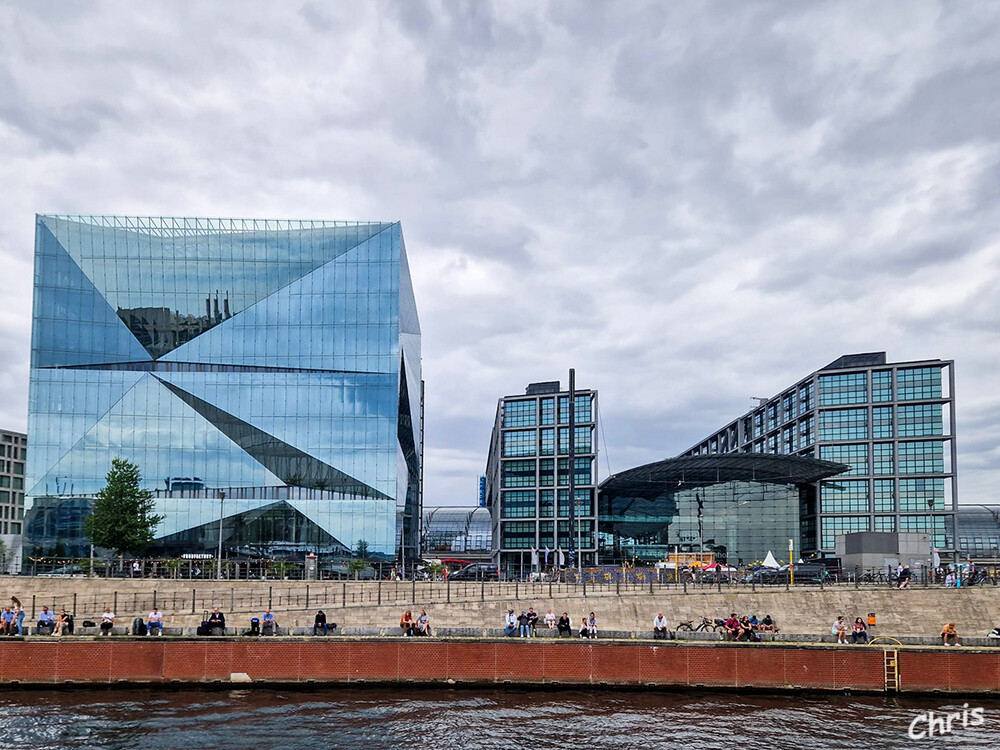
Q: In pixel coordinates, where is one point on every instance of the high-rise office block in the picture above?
(892, 423)
(528, 477)
(265, 370)
(13, 451)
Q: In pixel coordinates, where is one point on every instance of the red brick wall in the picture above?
(571, 662)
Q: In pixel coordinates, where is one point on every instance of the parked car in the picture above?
(476, 572)
(68, 571)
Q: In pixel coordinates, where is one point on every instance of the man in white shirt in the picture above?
(107, 621)
(154, 622)
(550, 620)
(510, 628)
(660, 626)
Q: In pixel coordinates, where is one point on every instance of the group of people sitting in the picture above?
(419, 626)
(748, 627)
(858, 631)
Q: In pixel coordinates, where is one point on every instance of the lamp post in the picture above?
(222, 504)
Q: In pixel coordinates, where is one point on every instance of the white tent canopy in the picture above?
(770, 561)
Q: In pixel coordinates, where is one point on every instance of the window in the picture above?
(517, 535)
(885, 523)
(548, 440)
(546, 501)
(882, 385)
(934, 525)
(519, 443)
(548, 411)
(921, 494)
(18, 467)
(806, 432)
(885, 498)
(850, 496)
(583, 439)
(805, 398)
(583, 409)
(918, 382)
(882, 422)
(519, 414)
(518, 473)
(518, 504)
(850, 388)
(916, 420)
(843, 424)
(882, 461)
(922, 457)
(855, 456)
(546, 472)
(832, 527)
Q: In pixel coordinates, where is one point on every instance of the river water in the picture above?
(372, 719)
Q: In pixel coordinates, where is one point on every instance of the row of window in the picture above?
(880, 496)
(13, 451)
(524, 504)
(542, 442)
(878, 422)
(538, 535)
(912, 383)
(531, 412)
(939, 527)
(917, 457)
(523, 473)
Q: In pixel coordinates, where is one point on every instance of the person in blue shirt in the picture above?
(7, 621)
(46, 618)
(268, 622)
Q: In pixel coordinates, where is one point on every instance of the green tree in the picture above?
(362, 549)
(123, 518)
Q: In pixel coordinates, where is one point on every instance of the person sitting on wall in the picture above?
(406, 623)
(423, 623)
(154, 622)
(732, 627)
(320, 623)
(523, 629)
(46, 620)
(767, 625)
(748, 632)
(584, 633)
(532, 620)
(550, 619)
(565, 626)
(839, 629)
(948, 632)
(269, 625)
(510, 624)
(62, 623)
(659, 626)
(107, 621)
(591, 626)
(217, 620)
(7, 621)
(859, 631)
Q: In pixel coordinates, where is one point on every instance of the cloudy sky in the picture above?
(690, 203)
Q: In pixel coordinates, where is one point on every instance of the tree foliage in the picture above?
(123, 518)
(361, 550)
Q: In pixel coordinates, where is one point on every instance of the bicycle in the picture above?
(706, 625)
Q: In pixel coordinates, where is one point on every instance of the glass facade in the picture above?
(893, 424)
(270, 365)
(457, 530)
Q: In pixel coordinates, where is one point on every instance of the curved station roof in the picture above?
(687, 472)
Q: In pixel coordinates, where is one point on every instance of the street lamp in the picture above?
(222, 504)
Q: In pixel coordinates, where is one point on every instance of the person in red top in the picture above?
(732, 627)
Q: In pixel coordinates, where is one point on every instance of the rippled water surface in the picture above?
(149, 719)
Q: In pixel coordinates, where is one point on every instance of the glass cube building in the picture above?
(268, 371)
(893, 424)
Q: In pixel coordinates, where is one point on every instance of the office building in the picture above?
(13, 451)
(529, 480)
(457, 532)
(893, 424)
(265, 371)
(979, 532)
